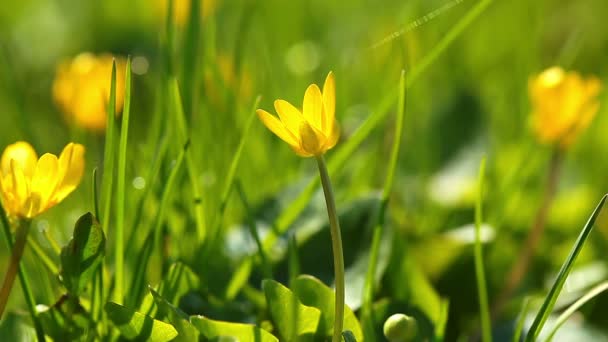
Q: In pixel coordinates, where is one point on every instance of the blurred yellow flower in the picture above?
(30, 186)
(181, 9)
(223, 77)
(312, 131)
(563, 105)
(82, 89)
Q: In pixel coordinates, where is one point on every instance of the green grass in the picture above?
(200, 203)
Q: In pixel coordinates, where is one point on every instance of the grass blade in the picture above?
(191, 57)
(521, 319)
(229, 179)
(480, 274)
(368, 290)
(572, 308)
(193, 172)
(119, 251)
(108, 155)
(253, 230)
(549, 302)
(153, 239)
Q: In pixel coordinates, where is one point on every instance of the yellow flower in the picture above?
(563, 105)
(82, 89)
(312, 131)
(30, 186)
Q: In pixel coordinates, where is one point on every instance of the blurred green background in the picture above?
(472, 101)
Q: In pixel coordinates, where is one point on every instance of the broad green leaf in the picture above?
(285, 308)
(242, 332)
(15, 327)
(312, 292)
(186, 331)
(83, 254)
(137, 326)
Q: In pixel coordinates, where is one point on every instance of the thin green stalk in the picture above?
(594, 292)
(482, 291)
(521, 320)
(520, 267)
(191, 166)
(108, 155)
(95, 190)
(191, 58)
(368, 291)
(229, 179)
(22, 230)
(46, 260)
(266, 266)
(119, 248)
(294, 270)
(336, 243)
(153, 238)
(51, 240)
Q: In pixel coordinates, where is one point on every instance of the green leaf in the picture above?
(65, 321)
(312, 292)
(285, 308)
(177, 282)
(348, 336)
(242, 332)
(594, 292)
(549, 302)
(137, 326)
(186, 331)
(16, 327)
(83, 254)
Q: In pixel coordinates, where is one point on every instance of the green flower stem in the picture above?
(13, 269)
(520, 267)
(336, 242)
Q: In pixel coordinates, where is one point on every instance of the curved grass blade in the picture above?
(192, 168)
(253, 230)
(368, 290)
(108, 154)
(572, 308)
(153, 239)
(119, 248)
(480, 274)
(549, 302)
(521, 319)
(229, 179)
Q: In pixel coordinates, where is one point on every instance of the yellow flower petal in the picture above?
(43, 184)
(329, 100)
(71, 169)
(290, 116)
(20, 189)
(23, 154)
(313, 107)
(564, 103)
(334, 136)
(312, 139)
(277, 127)
(314, 130)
